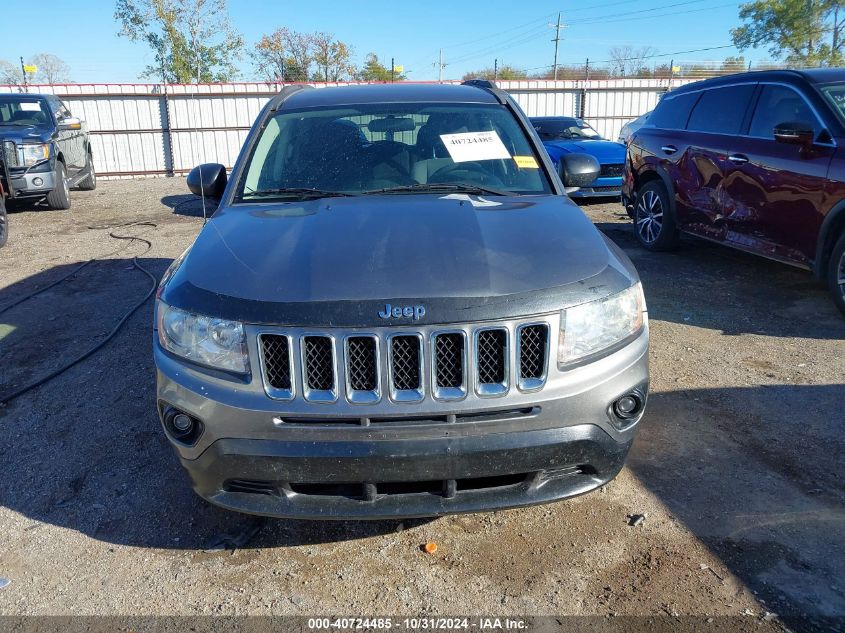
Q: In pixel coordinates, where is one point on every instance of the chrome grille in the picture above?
(318, 360)
(404, 364)
(361, 363)
(10, 154)
(533, 345)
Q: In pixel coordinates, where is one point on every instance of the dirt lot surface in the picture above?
(738, 464)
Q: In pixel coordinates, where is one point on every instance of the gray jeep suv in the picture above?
(396, 311)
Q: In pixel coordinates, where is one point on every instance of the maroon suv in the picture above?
(755, 161)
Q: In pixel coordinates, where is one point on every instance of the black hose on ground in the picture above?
(6, 398)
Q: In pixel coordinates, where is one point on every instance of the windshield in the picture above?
(23, 111)
(563, 128)
(835, 94)
(391, 148)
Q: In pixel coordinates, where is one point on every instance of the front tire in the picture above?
(90, 181)
(59, 198)
(4, 222)
(654, 221)
(836, 273)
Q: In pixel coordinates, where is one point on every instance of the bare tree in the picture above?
(627, 60)
(51, 69)
(10, 73)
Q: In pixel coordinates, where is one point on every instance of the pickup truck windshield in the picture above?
(392, 148)
(23, 111)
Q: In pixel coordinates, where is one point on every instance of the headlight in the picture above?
(218, 343)
(592, 327)
(30, 154)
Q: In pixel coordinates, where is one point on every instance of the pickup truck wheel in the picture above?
(59, 198)
(4, 222)
(836, 273)
(90, 181)
(654, 221)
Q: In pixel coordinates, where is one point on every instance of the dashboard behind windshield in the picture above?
(374, 147)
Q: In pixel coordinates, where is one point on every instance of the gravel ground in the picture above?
(738, 463)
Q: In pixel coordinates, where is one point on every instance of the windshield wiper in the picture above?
(298, 193)
(440, 187)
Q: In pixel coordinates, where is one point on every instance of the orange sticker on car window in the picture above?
(526, 162)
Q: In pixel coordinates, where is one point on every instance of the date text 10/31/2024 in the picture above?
(417, 624)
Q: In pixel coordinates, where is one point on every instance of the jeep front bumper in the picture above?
(343, 460)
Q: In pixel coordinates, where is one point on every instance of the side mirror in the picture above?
(578, 170)
(70, 123)
(208, 180)
(795, 133)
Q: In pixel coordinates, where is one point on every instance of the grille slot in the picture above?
(275, 350)
(491, 361)
(449, 365)
(406, 368)
(318, 364)
(362, 369)
(612, 170)
(361, 363)
(533, 352)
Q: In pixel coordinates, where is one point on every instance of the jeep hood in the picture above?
(338, 261)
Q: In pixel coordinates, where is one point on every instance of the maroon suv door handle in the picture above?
(738, 159)
(669, 149)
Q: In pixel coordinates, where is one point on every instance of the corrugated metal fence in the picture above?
(158, 129)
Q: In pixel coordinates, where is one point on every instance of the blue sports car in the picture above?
(564, 135)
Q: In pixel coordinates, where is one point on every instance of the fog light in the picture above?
(627, 409)
(625, 406)
(37, 182)
(181, 427)
(182, 423)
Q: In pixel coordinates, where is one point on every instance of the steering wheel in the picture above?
(469, 173)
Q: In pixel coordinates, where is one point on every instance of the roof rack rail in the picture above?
(489, 86)
(285, 94)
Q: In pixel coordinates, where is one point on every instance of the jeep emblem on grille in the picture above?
(397, 312)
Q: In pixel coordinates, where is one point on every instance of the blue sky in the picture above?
(471, 34)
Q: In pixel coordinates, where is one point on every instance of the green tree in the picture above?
(803, 32)
(191, 39)
(505, 73)
(733, 65)
(284, 55)
(374, 70)
(332, 58)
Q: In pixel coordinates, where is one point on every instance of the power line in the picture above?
(656, 55)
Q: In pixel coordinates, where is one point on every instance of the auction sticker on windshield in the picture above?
(469, 146)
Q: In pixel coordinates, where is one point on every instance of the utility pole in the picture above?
(495, 69)
(23, 72)
(392, 70)
(556, 40)
(587, 70)
(440, 66)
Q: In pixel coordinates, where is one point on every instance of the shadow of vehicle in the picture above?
(190, 205)
(86, 450)
(755, 474)
(716, 287)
